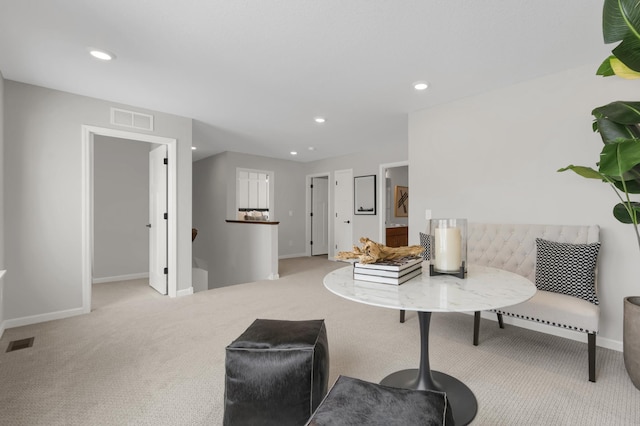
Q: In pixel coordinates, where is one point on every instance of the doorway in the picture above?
(157, 214)
(88, 135)
(121, 209)
(317, 208)
(343, 221)
(393, 176)
(319, 215)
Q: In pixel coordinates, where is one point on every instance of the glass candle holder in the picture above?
(448, 247)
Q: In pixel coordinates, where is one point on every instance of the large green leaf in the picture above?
(622, 214)
(605, 69)
(631, 186)
(618, 158)
(614, 66)
(628, 52)
(624, 112)
(629, 182)
(610, 131)
(620, 20)
(586, 172)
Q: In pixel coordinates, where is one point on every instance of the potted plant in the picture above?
(619, 165)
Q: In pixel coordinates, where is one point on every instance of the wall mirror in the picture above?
(365, 195)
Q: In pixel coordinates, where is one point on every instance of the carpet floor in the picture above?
(140, 358)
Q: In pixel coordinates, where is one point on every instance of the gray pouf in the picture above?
(277, 373)
(352, 402)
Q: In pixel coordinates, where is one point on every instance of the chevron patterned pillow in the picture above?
(567, 268)
(425, 242)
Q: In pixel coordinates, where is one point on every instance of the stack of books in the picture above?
(396, 271)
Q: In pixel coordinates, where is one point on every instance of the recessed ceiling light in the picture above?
(103, 55)
(193, 148)
(294, 153)
(312, 148)
(320, 120)
(420, 85)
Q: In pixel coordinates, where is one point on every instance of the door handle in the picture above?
(148, 225)
(347, 221)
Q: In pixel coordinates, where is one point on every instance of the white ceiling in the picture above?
(253, 73)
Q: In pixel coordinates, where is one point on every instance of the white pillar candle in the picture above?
(447, 249)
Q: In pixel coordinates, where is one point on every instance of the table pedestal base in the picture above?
(464, 405)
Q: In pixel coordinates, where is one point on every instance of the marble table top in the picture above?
(483, 288)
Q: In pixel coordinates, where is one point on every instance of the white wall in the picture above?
(214, 192)
(2, 102)
(2, 315)
(43, 197)
(493, 158)
(121, 207)
(288, 198)
(363, 163)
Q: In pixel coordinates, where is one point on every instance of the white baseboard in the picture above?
(291, 256)
(185, 292)
(35, 319)
(127, 277)
(604, 342)
(2, 328)
(555, 331)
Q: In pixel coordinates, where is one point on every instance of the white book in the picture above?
(387, 280)
(386, 273)
(392, 265)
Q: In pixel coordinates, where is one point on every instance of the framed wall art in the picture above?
(364, 188)
(401, 201)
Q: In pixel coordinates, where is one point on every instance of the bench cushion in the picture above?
(557, 309)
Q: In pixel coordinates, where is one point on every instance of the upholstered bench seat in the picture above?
(557, 309)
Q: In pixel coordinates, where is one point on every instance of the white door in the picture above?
(319, 215)
(343, 196)
(157, 219)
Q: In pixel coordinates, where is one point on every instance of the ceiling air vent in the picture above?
(135, 120)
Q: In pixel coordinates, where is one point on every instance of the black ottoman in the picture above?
(352, 402)
(277, 373)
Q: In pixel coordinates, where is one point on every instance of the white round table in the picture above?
(483, 288)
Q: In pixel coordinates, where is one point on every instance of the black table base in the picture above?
(464, 405)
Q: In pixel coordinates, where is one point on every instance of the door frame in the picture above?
(158, 226)
(332, 192)
(382, 196)
(88, 133)
(307, 203)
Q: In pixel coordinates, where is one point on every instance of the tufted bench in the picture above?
(555, 258)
